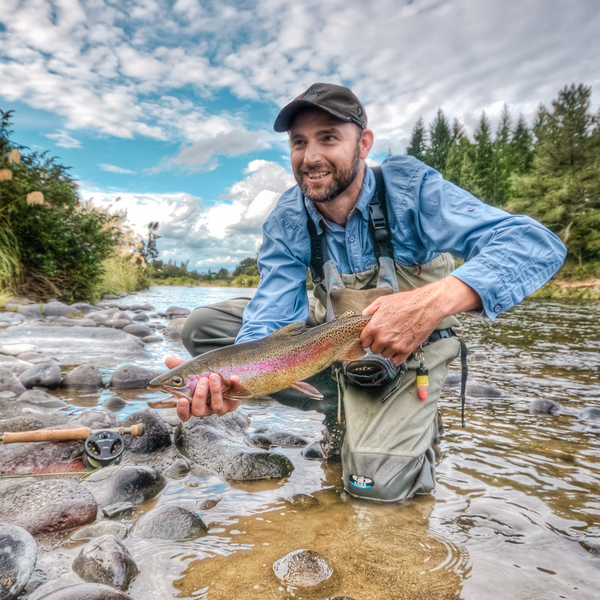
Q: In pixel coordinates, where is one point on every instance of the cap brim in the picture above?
(286, 117)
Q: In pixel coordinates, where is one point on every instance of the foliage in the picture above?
(436, 153)
(417, 146)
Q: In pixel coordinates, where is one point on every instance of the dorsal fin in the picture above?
(348, 313)
(291, 329)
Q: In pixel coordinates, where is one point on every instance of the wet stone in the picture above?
(10, 383)
(138, 330)
(41, 399)
(303, 569)
(452, 379)
(35, 358)
(118, 323)
(588, 414)
(16, 349)
(262, 441)
(12, 318)
(106, 560)
(478, 389)
(76, 322)
(31, 312)
(140, 318)
(174, 312)
(87, 591)
(314, 451)
(84, 307)
(49, 506)
(95, 419)
(98, 318)
(174, 328)
(114, 403)
(541, 406)
(42, 457)
(302, 501)
(23, 423)
(156, 434)
(479, 357)
(14, 365)
(84, 377)
(99, 529)
(131, 377)
(170, 522)
(208, 504)
(58, 309)
(178, 469)
(152, 339)
(44, 375)
(287, 440)
(18, 553)
(114, 511)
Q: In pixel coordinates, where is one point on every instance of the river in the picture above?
(516, 512)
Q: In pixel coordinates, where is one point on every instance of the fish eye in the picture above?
(177, 380)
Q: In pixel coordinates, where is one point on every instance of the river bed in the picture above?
(516, 512)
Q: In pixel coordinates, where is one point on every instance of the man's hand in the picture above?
(208, 396)
(403, 321)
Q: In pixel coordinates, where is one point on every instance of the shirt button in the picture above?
(497, 308)
(351, 238)
(357, 270)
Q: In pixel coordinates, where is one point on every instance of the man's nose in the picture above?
(313, 153)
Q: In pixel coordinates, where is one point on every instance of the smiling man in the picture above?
(381, 242)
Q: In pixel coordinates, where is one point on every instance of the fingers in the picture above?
(183, 409)
(200, 400)
(373, 307)
(216, 394)
(172, 361)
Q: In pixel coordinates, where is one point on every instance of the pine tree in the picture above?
(483, 166)
(458, 131)
(460, 165)
(437, 153)
(521, 148)
(502, 160)
(417, 146)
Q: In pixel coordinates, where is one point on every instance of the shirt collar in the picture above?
(364, 199)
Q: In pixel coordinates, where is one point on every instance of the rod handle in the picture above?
(46, 435)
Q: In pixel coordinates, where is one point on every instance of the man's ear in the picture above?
(366, 143)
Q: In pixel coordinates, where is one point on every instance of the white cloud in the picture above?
(115, 169)
(64, 140)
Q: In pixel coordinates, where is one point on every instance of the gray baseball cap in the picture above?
(334, 99)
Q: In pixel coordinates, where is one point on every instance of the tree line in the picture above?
(550, 170)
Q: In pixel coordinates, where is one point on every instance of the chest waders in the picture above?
(387, 452)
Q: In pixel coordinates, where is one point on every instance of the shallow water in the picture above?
(516, 513)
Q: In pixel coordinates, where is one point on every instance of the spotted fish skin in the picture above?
(270, 364)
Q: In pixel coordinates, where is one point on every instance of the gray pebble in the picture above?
(169, 522)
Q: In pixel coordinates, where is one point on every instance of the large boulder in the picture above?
(70, 344)
(221, 445)
(43, 375)
(41, 457)
(18, 553)
(40, 401)
(14, 365)
(168, 522)
(31, 312)
(174, 312)
(48, 506)
(10, 383)
(303, 569)
(14, 349)
(84, 377)
(87, 591)
(131, 377)
(58, 309)
(156, 434)
(12, 318)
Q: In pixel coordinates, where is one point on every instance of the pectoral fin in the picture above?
(354, 351)
(309, 390)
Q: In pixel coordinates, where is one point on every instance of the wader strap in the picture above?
(463, 379)
(316, 252)
(378, 222)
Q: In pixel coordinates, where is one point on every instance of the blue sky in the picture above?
(169, 104)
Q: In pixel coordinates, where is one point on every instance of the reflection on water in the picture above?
(516, 513)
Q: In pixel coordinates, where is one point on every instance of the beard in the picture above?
(341, 178)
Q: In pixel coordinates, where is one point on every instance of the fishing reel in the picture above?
(103, 449)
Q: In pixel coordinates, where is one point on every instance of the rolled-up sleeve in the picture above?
(281, 297)
(507, 257)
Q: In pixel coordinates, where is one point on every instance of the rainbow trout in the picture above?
(282, 359)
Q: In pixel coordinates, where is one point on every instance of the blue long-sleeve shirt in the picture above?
(507, 257)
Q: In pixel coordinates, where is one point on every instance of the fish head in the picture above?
(178, 381)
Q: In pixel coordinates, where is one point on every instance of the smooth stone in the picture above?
(14, 365)
(98, 318)
(477, 389)
(69, 344)
(156, 434)
(84, 377)
(114, 511)
(16, 349)
(110, 297)
(168, 522)
(174, 328)
(125, 483)
(18, 553)
(35, 358)
(147, 307)
(31, 312)
(132, 377)
(76, 322)
(176, 311)
(287, 440)
(95, 419)
(262, 441)
(302, 501)
(314, 451)
(208, 504)
(479, 357)
(239, 418)
(10, 383)
(140, 318)
(101, 528)
(106, 560)
(303, 569)
(541, 406)
(152, 339)
(84, 307)
(87, 591)
(12, 318)
(221, 445)
(44, 375)
(159, 315)
(7, 395)
(179, 468)
(169, 416)
(49, 506)
(589, 413)
(453, 379)
(22, 423)
(42, 399)
(118, 323)
(58, 309)
(114, 403)
(138, 330)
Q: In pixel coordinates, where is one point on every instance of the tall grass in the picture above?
(121, 275)
(10, 261)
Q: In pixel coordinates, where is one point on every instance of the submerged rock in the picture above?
(131, 377)
(287, 440)
(589, 413)
(44, 375)
(9, 382)
(156, 435)
(18, 553)
(314, 451)
(106, 560)
(178, 469)
(302, 501)
(478, 389)
(99, 529)
(48, 506)
(222, 446)
(174, 328)
(114, 403)
(84, 377)
(541, 406)
(125, 483)
(169, 522)
(87, 591)
(41, 399)
(303, 569)
(138, 330)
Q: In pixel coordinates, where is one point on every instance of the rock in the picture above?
(84, 308)
(114, 511)
(12, 318)
(452, 379)
(477, 389)
(178, 469)
(49, 506)
(16, 349)
(158, 315)
(589, 413)
(106, 560)
(169, 416)
(238, 418)
(95, 419)
(87, 591)
(479, 357)
(24, 423)
(101, 528)
(140, 318)
(169, 522)
(208, 504)
(304, 569)
(76, 322)
(44, 375)
(41, 400)
(287, 440)
(314, 451)
(156, 435)
(541, 406)
(125, 483)
(118, 323)
(31, 312)
(221, 445)
(69, 344)
(35, 358)
(174, 328)
(262, 441)
(152, 339)
(174, 312)
(14, 365)
(10, 383)
(131, 377)
(42, 457)
(138, 330)
(84, 377)
(114, 403)
(58, 309)
(18, 553)
(98, 318)
(302, 501)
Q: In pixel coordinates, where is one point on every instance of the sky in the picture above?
(169, 105)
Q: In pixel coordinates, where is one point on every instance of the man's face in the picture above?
(325, 154)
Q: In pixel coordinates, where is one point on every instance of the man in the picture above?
(381, 244)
